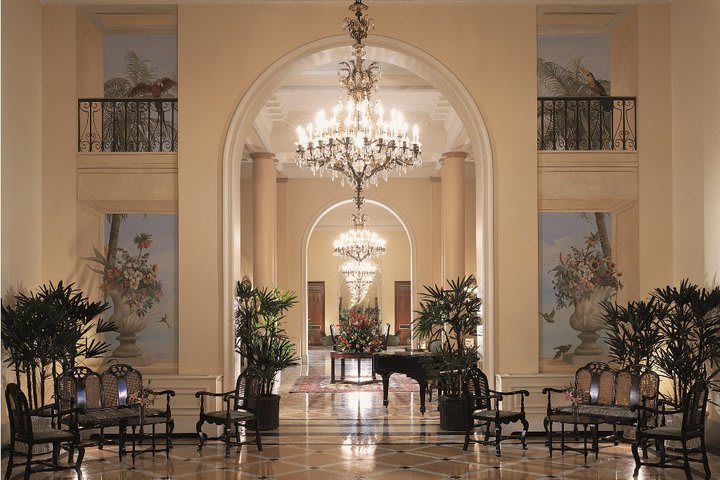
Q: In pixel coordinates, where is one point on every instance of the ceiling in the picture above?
(305, 93)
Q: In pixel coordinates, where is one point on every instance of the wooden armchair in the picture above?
(482, 414)
(237, 413)
(21, 430)
(691, 427)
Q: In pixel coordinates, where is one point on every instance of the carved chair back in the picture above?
(477, 387)
(596, 381)
(118, 382)
(18, 412)
(385, 336)
(80, 388)
(635, 382)
(694, 409)
(247, 388)
(333, 336)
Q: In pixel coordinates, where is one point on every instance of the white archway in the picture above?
(328, 50)
(306, 242)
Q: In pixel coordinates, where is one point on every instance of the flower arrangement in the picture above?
(583, 271)
(132, 275)
(142, 398)
(358, 333)
(575, 397)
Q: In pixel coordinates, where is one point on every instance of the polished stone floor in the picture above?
(352, 436)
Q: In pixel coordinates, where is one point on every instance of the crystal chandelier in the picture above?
(359, 243)
(359, 276)
(357, 141)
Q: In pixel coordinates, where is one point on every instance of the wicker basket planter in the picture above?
(267, 411)
(453, 413)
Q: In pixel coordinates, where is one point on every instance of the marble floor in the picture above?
(352, 436)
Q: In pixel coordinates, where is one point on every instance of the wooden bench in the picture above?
(609, 395)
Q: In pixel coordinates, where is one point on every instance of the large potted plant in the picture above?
(633, 332)
(689, 346)
(446, 318)
(261, 341)
(47, 332)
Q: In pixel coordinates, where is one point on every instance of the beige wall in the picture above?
(211, 88)
(21, 148)
(21, 153)
(696, 150)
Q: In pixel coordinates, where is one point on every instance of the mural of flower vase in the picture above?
(587, 319)
(128, 324)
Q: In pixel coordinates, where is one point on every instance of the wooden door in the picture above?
(402, 311)
(316, 312)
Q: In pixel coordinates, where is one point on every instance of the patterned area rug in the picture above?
(321, 384)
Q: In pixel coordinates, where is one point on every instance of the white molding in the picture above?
(587, 161)
(380, 48)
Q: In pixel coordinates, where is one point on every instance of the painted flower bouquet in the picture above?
(132, 275)
(358, 333)
(583, 271)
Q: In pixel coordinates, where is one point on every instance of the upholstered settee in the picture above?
(608, 394)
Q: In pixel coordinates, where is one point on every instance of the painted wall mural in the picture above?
(577, 272)
(137, 62)
(138, 265)
(573, 65)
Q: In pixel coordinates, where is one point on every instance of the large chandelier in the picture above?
(357, 141)
(359, 277)
(359, 243)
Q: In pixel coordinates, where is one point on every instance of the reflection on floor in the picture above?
(352, 436)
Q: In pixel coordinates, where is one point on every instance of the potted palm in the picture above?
(261, 341)
(47, 332)
(446, 318)
(632, 334)
(689, 349)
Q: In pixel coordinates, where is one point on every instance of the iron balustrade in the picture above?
(587, 123)
(127, 125)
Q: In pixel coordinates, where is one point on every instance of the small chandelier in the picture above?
(357, 141)
(359, 276)
(359, 243)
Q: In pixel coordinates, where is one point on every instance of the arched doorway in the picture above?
(347, 206)
(333, 49)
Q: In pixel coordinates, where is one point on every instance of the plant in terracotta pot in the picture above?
(447, 316)
(261, 341)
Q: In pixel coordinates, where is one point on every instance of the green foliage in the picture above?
(632, 333)
(448, 316)
(689, 327)
(53, 327)
(260, 338)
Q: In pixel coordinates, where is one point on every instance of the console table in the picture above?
(359, 356)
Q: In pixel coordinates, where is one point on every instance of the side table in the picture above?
(580, 420)
(342, 356)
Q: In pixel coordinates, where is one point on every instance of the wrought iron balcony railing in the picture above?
(586, 123)
(127, 125)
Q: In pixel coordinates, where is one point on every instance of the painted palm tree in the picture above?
(124, 123)
(573, 124)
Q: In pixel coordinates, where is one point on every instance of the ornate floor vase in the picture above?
(128, 324)
(588, 320)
